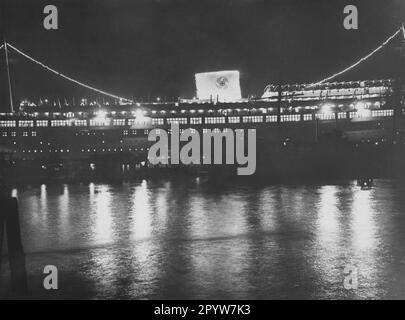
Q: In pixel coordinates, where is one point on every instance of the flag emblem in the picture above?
(222, 83)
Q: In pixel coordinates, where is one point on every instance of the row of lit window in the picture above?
(50, 150)
(134, 132)
(114, 150)
(176, 120)
(136, 149)
(193, 111)
(325, 116)
(7, 123)
(214, 120)
(208, 120)
(252, 119)
(121, 122)
(82, 150)
(290, 118)
(382, 113)
(234, 119)
(138, 122)
(195, 120)
(192, 131)
(157, 121)
(24, 134)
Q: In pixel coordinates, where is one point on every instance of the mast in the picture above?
(3, 18)
(10, 90)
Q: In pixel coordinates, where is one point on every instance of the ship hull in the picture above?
(285, 151)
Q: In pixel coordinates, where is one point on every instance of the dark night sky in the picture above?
(153, 48)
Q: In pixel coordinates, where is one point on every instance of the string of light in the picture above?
(67, 77)
(359, 61)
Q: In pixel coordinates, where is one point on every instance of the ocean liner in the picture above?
(336, 120)
(326, 130)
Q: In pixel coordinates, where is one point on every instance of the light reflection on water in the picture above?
(192, 239)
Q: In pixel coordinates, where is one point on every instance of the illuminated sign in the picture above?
(221, 86)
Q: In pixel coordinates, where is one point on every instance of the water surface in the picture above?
(194, 238)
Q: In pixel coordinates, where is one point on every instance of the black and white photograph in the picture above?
(210, 153)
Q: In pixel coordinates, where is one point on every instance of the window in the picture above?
(25, 134)
(252, 119)
(99, 123)
(25, 123)
(214, 120)
(290, 118)
(119, 122)
(177, 120)
(271, 118)
(157, 121)
(325, 116)
(80, 123)
(4, 134)
(195, 120)
(307, 117)
(233, 119)
(382, 113)
(42, 123)
(342, 115)
(33, 133)
(7, 123)
(60, 123)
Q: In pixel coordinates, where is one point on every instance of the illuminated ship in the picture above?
(288, 120)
